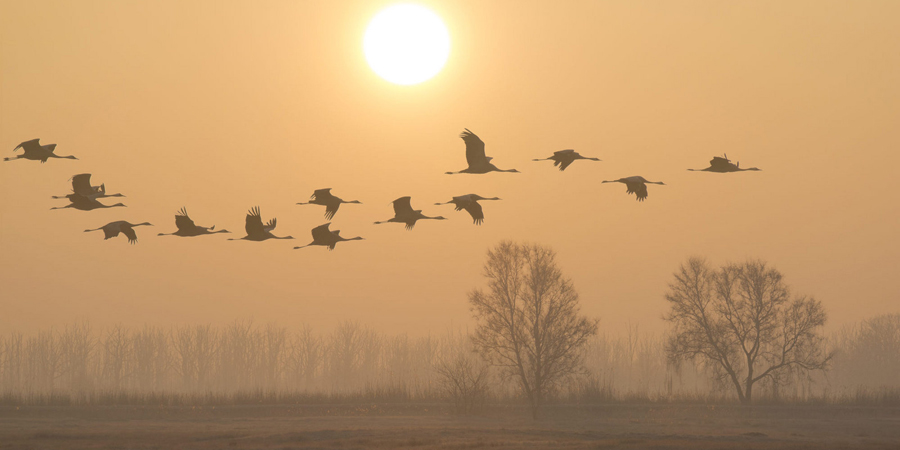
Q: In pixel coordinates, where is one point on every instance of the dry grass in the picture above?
(411, 426)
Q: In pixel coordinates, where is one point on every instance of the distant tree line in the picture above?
(737, 333)
(81, 361)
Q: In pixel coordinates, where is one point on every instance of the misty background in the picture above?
(220, 107)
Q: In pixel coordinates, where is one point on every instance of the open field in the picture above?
(365, 426)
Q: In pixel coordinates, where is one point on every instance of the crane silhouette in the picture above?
(403, 213)
(113, 229)
(187, 227)
(636, 185)
(331, 203)
(325, 237)
(82, 203)
(34, 151)
(469, 202)
(721, 164)
(478, 162)
(81, 185)
(564, 158)
(256, 231)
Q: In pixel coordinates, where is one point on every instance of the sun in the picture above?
(406, 44)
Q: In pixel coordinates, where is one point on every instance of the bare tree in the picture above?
(305, 357)
(741, 322)
(463, 375)
(868, 354)
(77, 345)
(528, 319)
(116, 357)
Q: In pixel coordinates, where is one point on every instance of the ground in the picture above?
(613, 426)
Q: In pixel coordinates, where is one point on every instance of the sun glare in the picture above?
(406, 44)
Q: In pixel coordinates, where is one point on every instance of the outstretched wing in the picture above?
(321, 233)
(330, 209)
(271, 225)
(81, 184)
(111, 230)
(719, 162)
(474, 148)
(638, 189)
(474, 210)
(128, 232)
(29, 145)
(253, 224)
(321, 194)
(402, 206)
(564, 152)
(563, 163)
(183, 222)
(461, 200)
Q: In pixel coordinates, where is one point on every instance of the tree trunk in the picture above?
(536, 404)
(748, 391)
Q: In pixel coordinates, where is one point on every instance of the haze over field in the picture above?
(220, 107)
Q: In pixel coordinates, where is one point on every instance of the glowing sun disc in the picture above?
(406, 44)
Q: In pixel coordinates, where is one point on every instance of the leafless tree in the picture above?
(12, 352)
(116, 356)
(464, 377)
(78, 344)
(868, 354)
(196, 348)
(305, 357)
(528, 319)
(741, 322)
(44, 361)
(150, 350)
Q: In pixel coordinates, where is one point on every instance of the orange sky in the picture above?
(220, 106)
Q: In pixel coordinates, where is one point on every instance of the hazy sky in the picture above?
(221, 106)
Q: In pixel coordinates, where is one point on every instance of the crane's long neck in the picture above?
(54, 155)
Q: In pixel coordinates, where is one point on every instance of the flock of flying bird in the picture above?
(84, 196)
